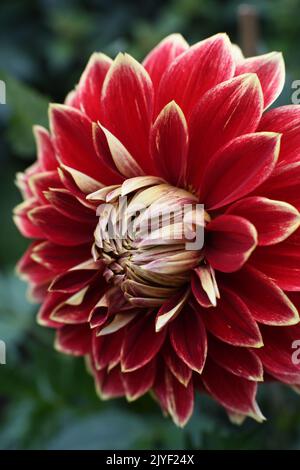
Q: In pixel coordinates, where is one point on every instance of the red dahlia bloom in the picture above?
(187, 126)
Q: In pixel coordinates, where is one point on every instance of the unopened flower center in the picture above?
(149, 236)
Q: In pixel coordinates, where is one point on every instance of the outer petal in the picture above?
(283, 185)
(188, 338)
(107, 349)
(234, 393)
(75, 340)
(58, 228)
(225, 112)
(274, 220)
(230, 242)
(45, 150)
(266, 301)
(179, 369)
(276, 355)
(285, 120)
(281, 262)
(72, 136)
(270, 71)
(138, 382)
(231, 321)
(127, 100)
(239, 168)
(90, 85)
(169, 144)
(180, 399)
(200, 68)
(141, 343)
(58, 257)
(242, 362)
(159, 59)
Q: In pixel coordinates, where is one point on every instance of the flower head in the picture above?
(153, 306)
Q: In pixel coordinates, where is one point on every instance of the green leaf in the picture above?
(27, 107)
(104, 430)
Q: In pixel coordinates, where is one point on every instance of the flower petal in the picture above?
(45, 149)
(231, 321)
(169, 144)
(180, 399)
(270, 70)
(58, 228)
(74, 340)
(234, 393)
(286, 121)
(238, 168)
(73, 141)
(141, 343)
(274, 220)
(200, 68)
(188, 338)
(242, 362)
(159, 58)
(281, 262)
(225, 112)
(230, 240)
(127, 97)
(179, 369)
(90, 85)
(138, 382)
(266, 302)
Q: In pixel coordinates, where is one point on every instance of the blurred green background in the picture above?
(47, 401)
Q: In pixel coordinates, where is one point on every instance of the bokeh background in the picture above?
(47, 401)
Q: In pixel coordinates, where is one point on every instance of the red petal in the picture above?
(41, 182)
(58, 257)
(75, 340)
(141, 343)
(58, 228)
(231, 321)
(23, 222)
(270, 71)
(127, 97)
(180, 399)
(159, 59)
(239, 168)
(109, 384)
(229, 110)
(73, 140)
(68, 205)
(107, 349)
(234, 393)
(188, 338)
(138, 382)
(274, 220)
(266, 301)
(276, 355)
(169, 144)
(230, 240)
(200, 68)
(32, 271)
(45, 150)
(74, 279)
(283, 185)
(286, 121)
(90, 85)
(52, 300)
(239, 361)
(281, 262)
(179, 369)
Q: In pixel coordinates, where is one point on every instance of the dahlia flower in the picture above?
(190, 125)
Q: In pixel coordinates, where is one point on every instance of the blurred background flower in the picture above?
(46, 399)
